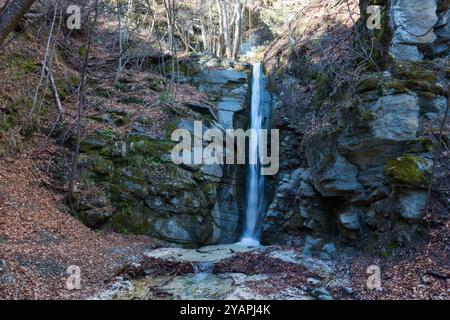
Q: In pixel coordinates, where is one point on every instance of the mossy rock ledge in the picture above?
(129, 183)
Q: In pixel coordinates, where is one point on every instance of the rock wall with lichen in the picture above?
(128, 182)
(357, 154)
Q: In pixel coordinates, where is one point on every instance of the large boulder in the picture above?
(338, 178)
(413, 27)
(138, 189)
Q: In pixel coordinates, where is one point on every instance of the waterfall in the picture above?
(255, 181)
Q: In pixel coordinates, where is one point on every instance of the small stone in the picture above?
(412, 205)
(311, 245)
(328, 251)
(350, 220)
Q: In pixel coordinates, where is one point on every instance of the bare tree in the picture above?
(238, 29)
(225, 30)
(11, 15)
(203, 27)
(171, 9)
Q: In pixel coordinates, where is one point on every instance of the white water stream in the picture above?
(255, 181)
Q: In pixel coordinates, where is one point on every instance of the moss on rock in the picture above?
(406, 170)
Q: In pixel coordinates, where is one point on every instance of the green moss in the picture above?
(121, 87)
(131, 100)
(420, 145)
(388, 250)
(209, 188)
(395, 85)
(63, 88)
(369, 116)
(405, 170)
(419, 77)
(6, 122)
(11, 144)
(413, 71)
(422, 85)
(426, 95)
(323, 88)
(97, 141)
(168, 128)
(101, 166)
(18, 66)
(368, 84)
(149, 147)
(82, 51)
(102, 92)
(131, 220)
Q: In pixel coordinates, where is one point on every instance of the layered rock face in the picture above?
(364, 175)
(129, 182)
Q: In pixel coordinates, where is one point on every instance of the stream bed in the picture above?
(232, 272)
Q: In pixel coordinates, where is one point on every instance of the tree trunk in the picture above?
(223, 9)
(11, 15)
(237, 30)
(220, 43)
(203, 27)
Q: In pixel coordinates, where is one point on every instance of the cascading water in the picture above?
(255, 181)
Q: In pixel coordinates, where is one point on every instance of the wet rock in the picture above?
(226, 222)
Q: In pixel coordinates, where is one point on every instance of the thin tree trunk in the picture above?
(11, 15)
(238, 30)
(44, 63)
(203, 27)
(223, 12)
(119, 33)
(212, 29)
(128, 20)
(81, 101)
(220, 39)
(59, 108)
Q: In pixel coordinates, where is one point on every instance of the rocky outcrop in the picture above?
(414, 22)
(129, 183)
(364, 175)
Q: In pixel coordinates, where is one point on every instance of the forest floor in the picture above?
(39, 241)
